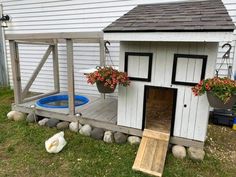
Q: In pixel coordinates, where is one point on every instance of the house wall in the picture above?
(40, 16)
(190, 121)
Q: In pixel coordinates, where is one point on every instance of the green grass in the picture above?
(22, 153)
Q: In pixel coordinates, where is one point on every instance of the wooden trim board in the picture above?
(170, 36)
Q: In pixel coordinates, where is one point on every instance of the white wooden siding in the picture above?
(190, 121)
(70, 16)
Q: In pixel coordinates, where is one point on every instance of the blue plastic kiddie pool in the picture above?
(61, 101)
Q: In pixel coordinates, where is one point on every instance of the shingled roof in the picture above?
(209, 15)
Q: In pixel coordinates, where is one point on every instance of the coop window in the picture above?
(188, 69)
(138, 66)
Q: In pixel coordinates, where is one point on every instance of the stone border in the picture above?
(107, 136)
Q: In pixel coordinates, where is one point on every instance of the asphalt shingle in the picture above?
(208, 15)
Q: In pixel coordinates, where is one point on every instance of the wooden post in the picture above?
(3, 60)
(56, 68)
(102, 58)
(70, 76)
(102, 53)
(15, 64)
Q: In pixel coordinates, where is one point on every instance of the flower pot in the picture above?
(104, 89)
(215, 102)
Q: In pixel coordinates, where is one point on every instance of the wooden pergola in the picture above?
(52, 40)
(94, 112)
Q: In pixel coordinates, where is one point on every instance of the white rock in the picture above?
(179, 151)
(108, 137)
(75, 126)
(56, 143)
(196, 153)
(43, 121)
(86, 130)
(134, 140)
(16, 116)
(10, 115)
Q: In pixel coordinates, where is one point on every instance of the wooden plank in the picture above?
(122, 102)
(62, 35)
(193, 49)
(160, 61)
(15, 64)
(139, 114)
(149, 172)
(148, 154)
(152, 152)
(182, 106)
(36, 71)
(171, 49)
(56, 68)
(159, 159)
(70, 76)
(186, 112)
(200, 129)
(140, 153)
(132, 91)
(156, 134)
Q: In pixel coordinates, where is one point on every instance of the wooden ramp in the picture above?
(152, 151)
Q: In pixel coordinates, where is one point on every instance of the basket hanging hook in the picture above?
(227, 53)
(106, 48)
(224, 57)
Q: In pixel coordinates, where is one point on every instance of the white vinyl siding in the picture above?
(41, 16)
(231, 7)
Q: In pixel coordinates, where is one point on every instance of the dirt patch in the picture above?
(221, 143)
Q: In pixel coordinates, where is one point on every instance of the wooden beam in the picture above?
(102, 53)
(44, 112)
(186, 142)
(15, 64)
(70, 76)
(56, 68)
(70, 35)
(39, 96)
(95, 40)
(36, 72)
(36, 42)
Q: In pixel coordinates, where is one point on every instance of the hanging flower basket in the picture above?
(107, 78)
(104, 89)
(215, 102)
(221, 92)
